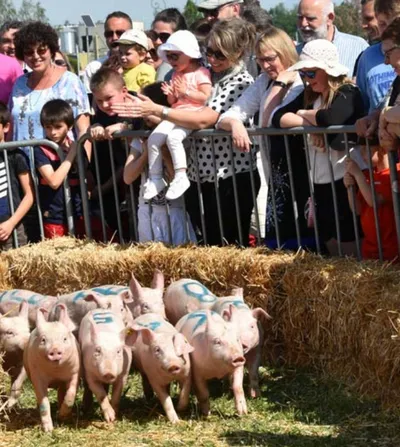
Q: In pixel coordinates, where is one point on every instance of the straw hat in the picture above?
(183, 41)
(321, 53)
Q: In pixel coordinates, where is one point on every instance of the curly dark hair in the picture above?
(34, 33)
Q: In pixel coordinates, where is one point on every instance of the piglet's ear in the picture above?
(129, 335)
(158, 280)
(261, 315)
(237, 292)
(40, 319)
(229, 313)
(147, 334)
(23, 309)
(135, 287)
(126, 297)
(100, 301)
(64, 317)
(181, 345)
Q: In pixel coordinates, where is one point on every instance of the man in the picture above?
(374, 77)
(315, 21)
(369, 22)
(220, 9)
(115, 25)
(7, 33)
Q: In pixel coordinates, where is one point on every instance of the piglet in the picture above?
(14, 336)
(161, 354)
(217, 353)
(249, 324)
(11, 299)
(106, 357)
(184, 296)
(52, 359)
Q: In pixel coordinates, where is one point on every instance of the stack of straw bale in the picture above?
(340, 316)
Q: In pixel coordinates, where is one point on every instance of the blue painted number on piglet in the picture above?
(198, 291)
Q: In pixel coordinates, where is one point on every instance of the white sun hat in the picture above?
(214, 4)
(320, 53)
(133, 36)
(183, 41)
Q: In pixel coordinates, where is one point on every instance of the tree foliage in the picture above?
(348, 18)
(29, 10)
(191, 12)
(284, 18)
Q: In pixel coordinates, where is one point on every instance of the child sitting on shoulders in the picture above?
(133, 47)
(153, 214)
(364, 203)
(57, 119)
(14, 208)
(189, 89)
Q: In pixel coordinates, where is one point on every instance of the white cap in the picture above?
(133, 36)
(183, 41)
(214, 4)
(320, 53)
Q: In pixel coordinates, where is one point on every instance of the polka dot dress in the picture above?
(225, 94)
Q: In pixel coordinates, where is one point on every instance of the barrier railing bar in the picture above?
(199, 191)
(36, 188)
(217, 196)
(187, 231)
(253, 192)
(132, 214)
(395, 193)
(11, 199)
(116, 195)
(83, 185)
(100, 191)
(168, 212)
(235, 195)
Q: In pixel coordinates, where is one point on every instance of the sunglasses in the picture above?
(40, 51)
(153, 54)
(60, 62)
(268, 59)
(307, 74)
(215, 54)
(173, 56)
(162, 36)
(108, 34)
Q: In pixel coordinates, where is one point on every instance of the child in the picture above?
(108, 87)
(364, 204)
(133, 47)
(152, 214)
(57, 119)
(20, 178)
(189, 89)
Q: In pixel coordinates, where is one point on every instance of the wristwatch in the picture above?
(164, 113)
(280, 84)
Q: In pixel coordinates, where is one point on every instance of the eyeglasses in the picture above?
(153, 54)
(219, 55)
(307, 74)
(267, 59)
(173, 56)
(162, 36)
(388, 52)
(40, 51)
(110, 33)
(60, 62)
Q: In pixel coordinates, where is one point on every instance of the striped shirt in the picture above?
(349, 48)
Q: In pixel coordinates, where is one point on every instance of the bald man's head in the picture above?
(315, 19)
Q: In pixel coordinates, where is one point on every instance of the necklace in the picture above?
(32, 105)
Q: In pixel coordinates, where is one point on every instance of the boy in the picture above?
(364, 203)
(20, 179)
(133, 47)
(57, 119)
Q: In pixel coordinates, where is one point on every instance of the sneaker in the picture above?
(177, 187)
(152, 187)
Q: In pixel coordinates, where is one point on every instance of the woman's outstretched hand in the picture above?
(139, 106)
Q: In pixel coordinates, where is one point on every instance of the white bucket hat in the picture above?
(133, 36)
(214, 4)
(183, 41)
(320, 53)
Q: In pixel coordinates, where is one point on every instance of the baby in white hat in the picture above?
(189, 89)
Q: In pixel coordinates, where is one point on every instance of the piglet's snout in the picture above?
(55, 354)
(238, 361)
(174, 369)
(109, 377)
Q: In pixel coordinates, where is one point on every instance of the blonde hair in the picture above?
(277, 40)
(233, 38)
(334, 83)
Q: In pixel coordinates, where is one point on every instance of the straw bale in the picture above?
(337, 315)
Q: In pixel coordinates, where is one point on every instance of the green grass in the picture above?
(296, 409)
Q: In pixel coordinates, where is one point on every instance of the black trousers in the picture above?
(229, 213)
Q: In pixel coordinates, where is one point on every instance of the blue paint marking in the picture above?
(79, 295)
(13, 296)
(153, 325)
(205, 296)
(103, 317)
(238, 303)
(201, 315)
(101, 290)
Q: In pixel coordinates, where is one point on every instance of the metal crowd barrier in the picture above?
(127, 229)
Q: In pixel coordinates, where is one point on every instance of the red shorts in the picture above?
(52, 231)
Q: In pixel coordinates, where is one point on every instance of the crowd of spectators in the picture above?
(232, 70)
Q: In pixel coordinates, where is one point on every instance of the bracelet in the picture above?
(164, 113)
(280, 84)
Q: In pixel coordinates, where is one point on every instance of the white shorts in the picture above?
(159, 224)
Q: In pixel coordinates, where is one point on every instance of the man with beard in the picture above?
(315, 21)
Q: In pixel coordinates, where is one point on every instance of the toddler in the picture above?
(189, 89)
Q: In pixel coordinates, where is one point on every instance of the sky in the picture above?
(58, 11)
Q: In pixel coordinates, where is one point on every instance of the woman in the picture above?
(226, 46)
(61, 60)
(330, 98)
(275, 88)
(37, 44)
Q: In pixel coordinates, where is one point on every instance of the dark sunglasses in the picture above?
(307, 74)
(153, 54)
(110, 33)
(162, 36)
(41, 51)
(173, 56)
(215, 54)
(60, 62)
